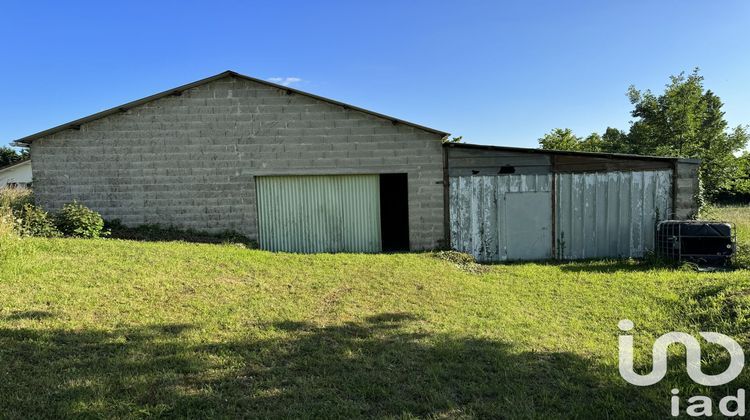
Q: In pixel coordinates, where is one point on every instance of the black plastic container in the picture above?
(700, 242)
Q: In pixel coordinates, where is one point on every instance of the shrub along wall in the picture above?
(19, 215)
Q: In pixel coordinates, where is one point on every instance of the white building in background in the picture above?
(16, 175)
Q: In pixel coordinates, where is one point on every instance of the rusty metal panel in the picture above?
(610, 214)
(484, 225)
(579, 164)
(465, 162)
(307, 214)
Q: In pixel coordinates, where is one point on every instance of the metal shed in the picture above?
(506, 204)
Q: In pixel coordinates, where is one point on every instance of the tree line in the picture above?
(685, 121)
(8, 156)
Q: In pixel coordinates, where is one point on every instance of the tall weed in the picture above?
(11, 200)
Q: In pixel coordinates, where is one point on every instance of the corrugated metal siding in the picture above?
(478, 216)
(319, 213)
(610, 214)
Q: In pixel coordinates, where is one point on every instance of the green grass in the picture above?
(114, 328)
(740, 216)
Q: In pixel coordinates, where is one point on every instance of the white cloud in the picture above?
(284, 81)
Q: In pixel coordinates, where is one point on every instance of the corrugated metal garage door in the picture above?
(503, 217)
(610, 214)
(319, 213)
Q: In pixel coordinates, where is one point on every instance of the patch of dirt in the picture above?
(330, 301)
(462, 261)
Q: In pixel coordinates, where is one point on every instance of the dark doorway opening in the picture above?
(394, 212)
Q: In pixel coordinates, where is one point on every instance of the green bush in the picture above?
(33, 221)
(77, 220)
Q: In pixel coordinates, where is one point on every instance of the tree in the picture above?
(687, 121)
(616, 141)
(740, 185)
(9, 155)
(560, 139)
(564, 139)
(592, 143)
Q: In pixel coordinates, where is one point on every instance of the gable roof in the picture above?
(15, 164)
(25, 141)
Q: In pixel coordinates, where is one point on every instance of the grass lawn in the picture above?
(112, 328)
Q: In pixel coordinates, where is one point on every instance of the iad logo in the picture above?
(693, 349)
(700, 405)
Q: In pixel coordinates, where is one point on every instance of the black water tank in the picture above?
(701, 242)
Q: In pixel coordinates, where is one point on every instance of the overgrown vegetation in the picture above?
(20, 216)
(687, 121)
(77, 220)
(33, 221)
(160, 233)
(12, 200)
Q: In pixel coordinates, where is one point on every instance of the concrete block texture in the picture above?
(191, 160)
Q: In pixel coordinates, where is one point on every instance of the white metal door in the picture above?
(528, 217)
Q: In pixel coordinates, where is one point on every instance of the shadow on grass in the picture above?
(380, 367)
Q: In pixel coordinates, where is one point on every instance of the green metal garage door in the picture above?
(338, 213)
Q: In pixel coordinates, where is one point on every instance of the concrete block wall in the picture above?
(191, 160)
(686, 188)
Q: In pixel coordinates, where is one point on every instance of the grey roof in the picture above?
(25, 141)
(569, 152)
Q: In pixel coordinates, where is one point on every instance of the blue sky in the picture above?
(494, 72)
